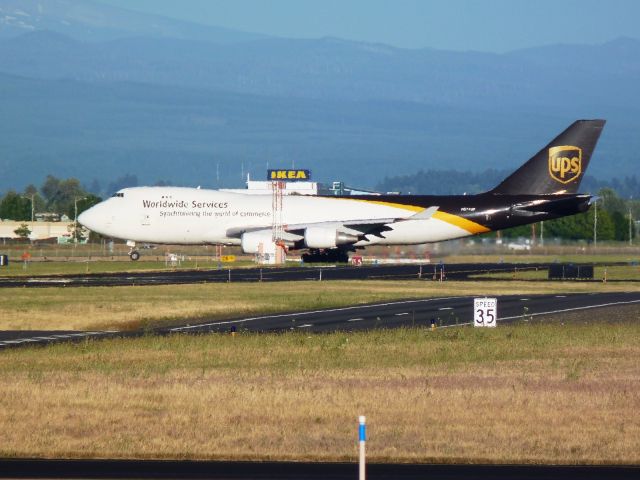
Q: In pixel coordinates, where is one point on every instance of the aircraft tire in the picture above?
(134, 256)
(333, 255)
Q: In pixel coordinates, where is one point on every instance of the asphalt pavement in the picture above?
(446, 312)
(167, 469)
(457, 271)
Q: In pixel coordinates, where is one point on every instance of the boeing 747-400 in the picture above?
(544, 188)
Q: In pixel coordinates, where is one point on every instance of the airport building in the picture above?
(296, 182)
(54, 232)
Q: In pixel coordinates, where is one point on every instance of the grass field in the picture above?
(76, 267)
(124, 308)
(615, 273)
(533, 392)
(555, 390)
(95, 258)
(17, 269)
(540, 256)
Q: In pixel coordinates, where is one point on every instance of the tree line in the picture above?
(55, 195)
(61, 196)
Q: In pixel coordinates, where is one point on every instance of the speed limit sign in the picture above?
(485, 312)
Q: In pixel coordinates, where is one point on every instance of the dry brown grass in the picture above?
(528, 393)
(133, 307)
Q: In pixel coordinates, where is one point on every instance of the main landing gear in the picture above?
(328, 255)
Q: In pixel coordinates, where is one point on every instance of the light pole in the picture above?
(31, 198)
(630, 225)
(595, 224)
(75, 218)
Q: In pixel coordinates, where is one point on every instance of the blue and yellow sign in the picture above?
(288, 175)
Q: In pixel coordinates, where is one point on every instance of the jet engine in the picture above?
(251, 241)
(322, 237)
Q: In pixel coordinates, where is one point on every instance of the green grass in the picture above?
(615, 273)
(294, 351)
(562, 256)
(72, 267)
(95, 258)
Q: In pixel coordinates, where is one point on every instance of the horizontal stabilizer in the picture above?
(564, 205)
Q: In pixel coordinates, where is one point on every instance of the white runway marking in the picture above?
(549, 312)
(56, 337)
(400, 314)
(311, 312)
(355, 319)
(446, 308)
(284, 315)
(586, 307)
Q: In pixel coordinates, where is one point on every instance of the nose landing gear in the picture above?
(134, 255)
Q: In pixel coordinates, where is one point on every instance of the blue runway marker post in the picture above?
(363, 439)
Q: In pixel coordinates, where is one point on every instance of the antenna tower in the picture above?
(277, 227)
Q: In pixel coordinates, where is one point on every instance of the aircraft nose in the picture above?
(88, 219)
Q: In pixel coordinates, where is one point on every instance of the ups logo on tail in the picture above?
(565, 163)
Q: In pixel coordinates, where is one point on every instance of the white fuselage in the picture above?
(176, 215)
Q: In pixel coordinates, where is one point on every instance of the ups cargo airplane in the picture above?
(544, 188)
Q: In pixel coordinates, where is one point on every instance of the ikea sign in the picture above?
(288, 175)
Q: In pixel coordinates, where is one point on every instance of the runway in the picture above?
(447, 312)
(458, 271)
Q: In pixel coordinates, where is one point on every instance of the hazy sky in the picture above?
(486, 25)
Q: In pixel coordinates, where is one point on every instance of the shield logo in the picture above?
(565, 163)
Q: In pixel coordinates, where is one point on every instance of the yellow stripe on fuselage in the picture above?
(461, 222)
(468, 225)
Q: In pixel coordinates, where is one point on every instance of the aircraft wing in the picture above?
(358, 228)
(296, 231)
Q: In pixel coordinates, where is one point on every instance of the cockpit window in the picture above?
(118, 194)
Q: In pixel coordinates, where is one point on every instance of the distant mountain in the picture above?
(552, 77)
(94, 91)
(91, 21)
(105, 130)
